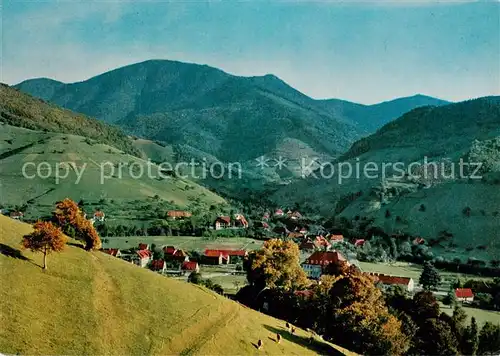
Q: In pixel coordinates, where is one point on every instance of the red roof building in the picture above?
(240, 221)
(359, 242)
(321, 242)
(143, 257)
(324, 258)
(112, 251)
(464, 294)
(278, 212)
(158, 265)
(222, 222)
(99, 215)
(418, 241)
(143, 246)
(169, 250)
(336, 238)
(190, 266)
(387, 280)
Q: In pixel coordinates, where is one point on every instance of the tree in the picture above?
(45, 238)
(360, 319)
(430, 277)
(470, 340)
(276, 265)
(71, 220)
(434, 337)
(425, 306)
(85, 231)
(450, 298)
(489, 339)
(195, 278)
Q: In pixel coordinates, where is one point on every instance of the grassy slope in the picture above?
(23, 110)
(92, 303)
(16, 189)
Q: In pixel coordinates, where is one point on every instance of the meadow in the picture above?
(92, 303)
(187, 243)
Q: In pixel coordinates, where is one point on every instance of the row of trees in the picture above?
(48, 236)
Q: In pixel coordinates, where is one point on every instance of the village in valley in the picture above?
(221, 260)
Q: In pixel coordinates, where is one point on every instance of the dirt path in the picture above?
(106, 300)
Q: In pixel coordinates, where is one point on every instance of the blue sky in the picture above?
(365, 52)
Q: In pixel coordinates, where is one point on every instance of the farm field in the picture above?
(411, 270)
(186, 243)
(481, 315)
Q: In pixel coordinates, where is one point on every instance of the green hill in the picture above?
(124, 196)
(22, 110)
(92, 303)
(429, 208)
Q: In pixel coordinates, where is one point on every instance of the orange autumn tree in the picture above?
(45, 238)
(361, 319)
(69, 217)
(277, 264)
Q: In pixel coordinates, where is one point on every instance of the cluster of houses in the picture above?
(142, 256)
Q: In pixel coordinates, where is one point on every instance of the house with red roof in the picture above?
(143, 246)
(99, 215)
(464, 295)
(359, 242)
(169, 250)
(222, 222)
(278, 212)
(190, 266)
(142, 258)
(224, 256)
(215, 257)
(178, 214)
(385, 280)
(322, 243)
(179, 256)
(240, 221)
(418, 241)
(319, 260)
(265, 216)
(112, 251)
(335, 238)
(159, 266)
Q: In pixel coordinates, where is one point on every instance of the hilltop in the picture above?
(92, 303)
(430, 208)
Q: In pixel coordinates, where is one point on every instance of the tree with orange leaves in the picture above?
(45, 238)
(362, 321)
(68, 215)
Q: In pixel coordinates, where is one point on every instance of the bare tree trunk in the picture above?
(45, 258)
